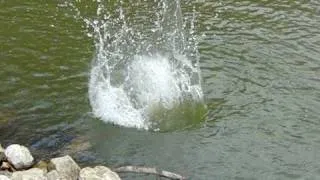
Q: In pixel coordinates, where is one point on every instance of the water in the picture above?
(259, 63)
(134, 75)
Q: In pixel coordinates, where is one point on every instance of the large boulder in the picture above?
(31, 174)
(66, 167)
(98, 173)
(19, 156)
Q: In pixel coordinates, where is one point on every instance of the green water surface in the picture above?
(260, 63)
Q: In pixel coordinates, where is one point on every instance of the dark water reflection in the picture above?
(261, 77)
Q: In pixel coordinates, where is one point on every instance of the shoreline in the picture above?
(17, 163)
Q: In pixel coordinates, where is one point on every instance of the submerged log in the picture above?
(149, 170)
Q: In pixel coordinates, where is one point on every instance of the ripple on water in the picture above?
(260, 69)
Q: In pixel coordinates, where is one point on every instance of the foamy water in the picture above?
(132, 76)
(150, 81)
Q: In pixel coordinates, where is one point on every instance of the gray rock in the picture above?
(66, 167)
(19, 156)
(3, 177)
(98, 173)
(31, 174)
(53, 175)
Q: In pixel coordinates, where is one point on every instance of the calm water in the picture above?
(260, 64)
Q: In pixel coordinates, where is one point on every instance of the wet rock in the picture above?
(98, 173)
(3, 177)
(19, 156)
(41, 165)
(53, 175)
(31, 174)
(66, 167)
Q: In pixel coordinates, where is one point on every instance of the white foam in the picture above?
(151, 80)
(124, 87)
(112, 105)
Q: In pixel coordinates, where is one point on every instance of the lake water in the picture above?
(260, 68)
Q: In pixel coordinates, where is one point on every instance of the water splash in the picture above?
(143, 66)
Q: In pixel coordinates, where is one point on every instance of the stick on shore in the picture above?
(149, 170)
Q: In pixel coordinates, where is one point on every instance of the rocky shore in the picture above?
(17, 163)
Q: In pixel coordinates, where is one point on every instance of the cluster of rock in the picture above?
(17, 163)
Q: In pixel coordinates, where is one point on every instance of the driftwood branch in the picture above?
(149, 170)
